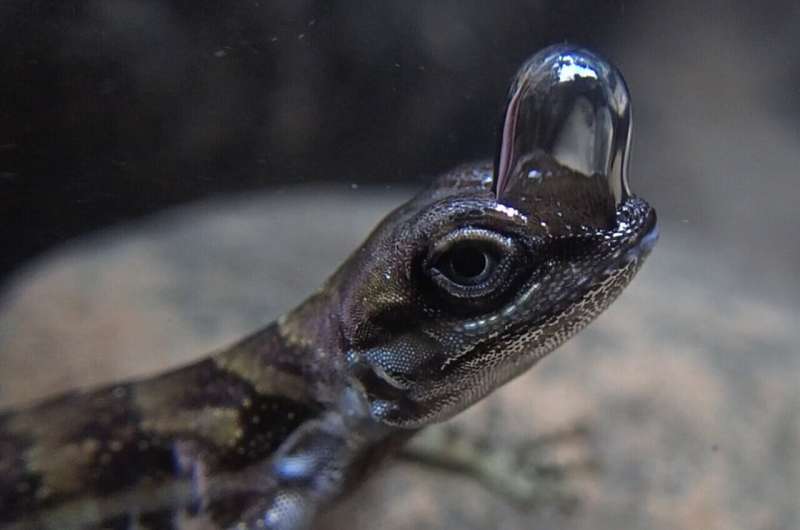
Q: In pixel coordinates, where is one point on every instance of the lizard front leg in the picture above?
(318, 463)
(305, 473)
(527, 473)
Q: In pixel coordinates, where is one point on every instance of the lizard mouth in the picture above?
(648, 239)
(637, 218)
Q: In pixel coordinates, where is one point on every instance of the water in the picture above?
(121, 107)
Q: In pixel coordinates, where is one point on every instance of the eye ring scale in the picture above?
(474, 266)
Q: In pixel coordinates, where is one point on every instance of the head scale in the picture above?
(483, 274)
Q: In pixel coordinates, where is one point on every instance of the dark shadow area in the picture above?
(111, 109)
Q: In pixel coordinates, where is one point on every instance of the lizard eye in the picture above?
(468, 263)
(472, 267)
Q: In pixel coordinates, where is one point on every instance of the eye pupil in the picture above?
(472, 269)
(467, 262)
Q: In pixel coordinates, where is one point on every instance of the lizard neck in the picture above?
(302, 348)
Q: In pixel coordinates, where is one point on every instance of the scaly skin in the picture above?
(452, 295)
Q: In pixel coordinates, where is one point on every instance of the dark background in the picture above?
(111, 109)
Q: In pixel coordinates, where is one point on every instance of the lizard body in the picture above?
(453, 294)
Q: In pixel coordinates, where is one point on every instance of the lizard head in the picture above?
(493, 267)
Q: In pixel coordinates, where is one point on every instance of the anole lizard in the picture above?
(453, 294)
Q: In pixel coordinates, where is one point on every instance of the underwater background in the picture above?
(176, 174)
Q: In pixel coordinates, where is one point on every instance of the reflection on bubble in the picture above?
(568, 115)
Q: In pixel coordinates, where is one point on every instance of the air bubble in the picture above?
(568, 115)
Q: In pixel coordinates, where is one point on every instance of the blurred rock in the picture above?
(689, 388)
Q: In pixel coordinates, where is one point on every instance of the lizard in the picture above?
(456, 292)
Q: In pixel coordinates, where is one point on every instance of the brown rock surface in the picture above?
(690, 388)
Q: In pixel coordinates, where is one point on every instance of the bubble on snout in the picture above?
(565, 134)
